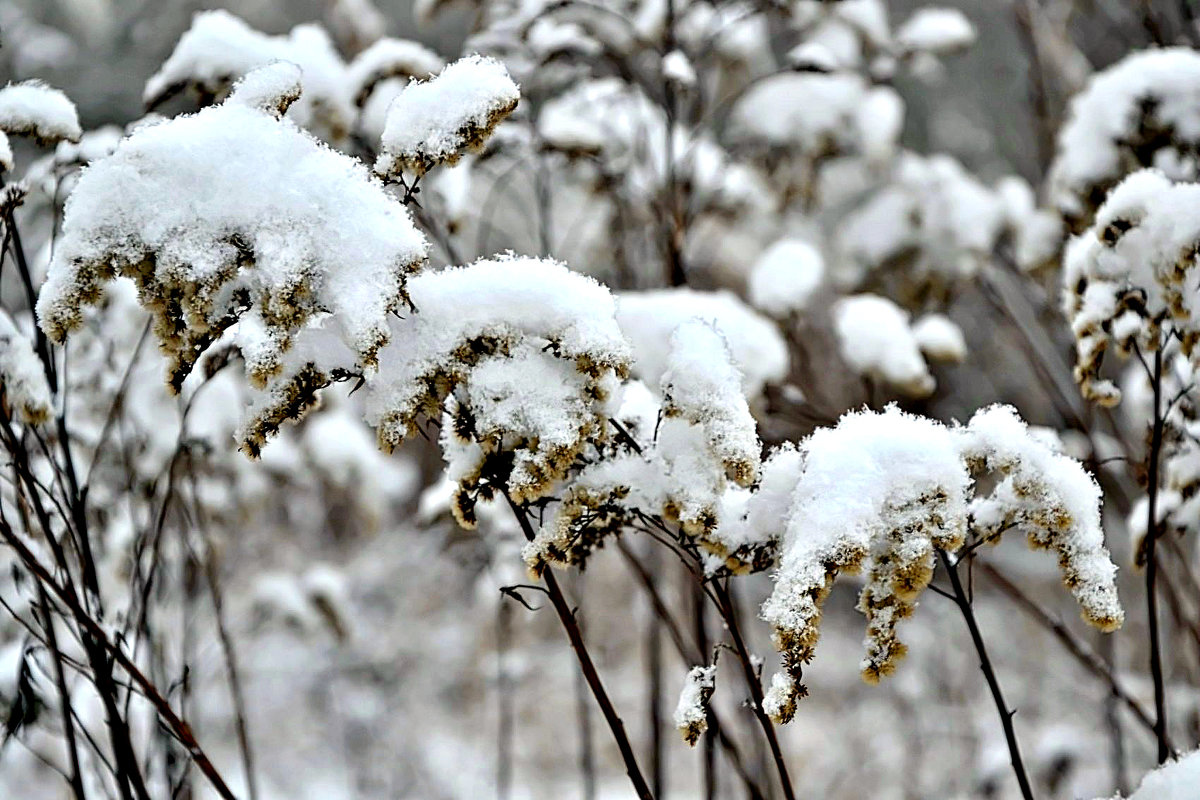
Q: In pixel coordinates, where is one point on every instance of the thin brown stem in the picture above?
(1082, 653)
(567, 617)
(754, 683)
(1156, 668)
(985, 664)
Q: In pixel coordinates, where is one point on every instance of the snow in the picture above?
(876, 341)
(23, 381)
(31, 108)
(388, 59)
(704, 387)
(691, 713)
(785, 277)
(1122, 108)
(1123, 280)
(817, 114)
(1050, 498)
(648, 318)
(312, 235)
(1174, 781)
(936, 30)
(939, 338)
(435, 121)
(219, 48)
(882, 491)
(934, 217)
(484, 330)
(6, 153)
(678, 69)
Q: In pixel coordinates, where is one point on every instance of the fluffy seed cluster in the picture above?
(1144, 111)
(882, 492)
(1130, 278)
(434, 122)
(518, 357)
(691, 714)
(309, 264)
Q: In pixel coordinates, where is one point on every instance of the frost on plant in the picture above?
(31, 108)
(22, 381)
(521, 356)
(691, 713)
(315, 252)
(1130, 278)
(882, 492)
(434, 122)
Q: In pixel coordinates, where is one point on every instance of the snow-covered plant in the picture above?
(691, 713)
(884, 493)
(22, 380)
(220, 48)
(32, 108)
(517, 358)
(649, 318)
(1140, 112)
(877, 341)
(435, 122)
(309, 264)
(1129, 280)
(676, 461)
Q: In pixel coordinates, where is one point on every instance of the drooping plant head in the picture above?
(309, 263)
(436, 121)
(521, 355)
(882, 492)
(676, 460)
(1129, 280)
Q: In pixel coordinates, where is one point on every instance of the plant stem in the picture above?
(725, 606)
(571, 626)
(1156, 670)
(985, 664)
(1082, 653)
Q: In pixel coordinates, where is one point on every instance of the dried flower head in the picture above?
(31, 108)
(1140, 112)
(520, 354)
(434, 122)
(674, 461)
(1130, 278)
(886, 491)
(1050, 498)
(691, 713)
(313, 240)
